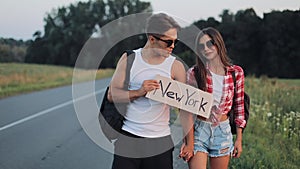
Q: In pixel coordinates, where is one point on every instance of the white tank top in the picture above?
(218, 83)
(145, 117)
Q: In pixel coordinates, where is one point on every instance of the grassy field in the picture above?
(21, 78)
(271, 139)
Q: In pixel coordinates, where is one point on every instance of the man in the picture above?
(146, 137)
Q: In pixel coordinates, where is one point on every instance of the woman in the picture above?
(212, 137)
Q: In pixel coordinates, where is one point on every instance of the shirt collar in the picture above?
(230, 68)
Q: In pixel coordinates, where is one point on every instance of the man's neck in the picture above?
(150, 56)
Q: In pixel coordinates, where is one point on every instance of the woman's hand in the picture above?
(237, 151)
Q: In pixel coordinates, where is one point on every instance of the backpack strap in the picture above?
(130, 59)
(234, 82)
(234, 88)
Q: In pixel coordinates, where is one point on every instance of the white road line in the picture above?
(49, 110)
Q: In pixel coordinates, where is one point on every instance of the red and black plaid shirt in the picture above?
(227, 96)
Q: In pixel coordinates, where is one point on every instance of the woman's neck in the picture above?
(217, 67)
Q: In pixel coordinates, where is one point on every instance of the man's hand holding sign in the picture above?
(182, 96)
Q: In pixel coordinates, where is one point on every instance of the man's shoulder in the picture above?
(179, 71)
(178, 63)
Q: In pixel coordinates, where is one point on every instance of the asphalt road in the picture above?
(43, 130)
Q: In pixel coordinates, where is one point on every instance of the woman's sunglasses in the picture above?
(168, 42)
(209, 44)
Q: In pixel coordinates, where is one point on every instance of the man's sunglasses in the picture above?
(168, 42)
(209, 44)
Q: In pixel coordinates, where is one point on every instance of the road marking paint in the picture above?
(43, 112)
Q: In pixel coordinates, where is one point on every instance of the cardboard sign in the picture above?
(182, 96)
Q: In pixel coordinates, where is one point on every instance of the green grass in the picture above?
(21, 78)
(271, 139)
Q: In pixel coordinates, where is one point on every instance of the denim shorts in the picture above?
(216, 141)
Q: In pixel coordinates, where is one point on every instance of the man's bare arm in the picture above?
(117, 93)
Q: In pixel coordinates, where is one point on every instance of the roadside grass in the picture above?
(18, 78)
(271, 139)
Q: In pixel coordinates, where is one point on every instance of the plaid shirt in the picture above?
(227, 96)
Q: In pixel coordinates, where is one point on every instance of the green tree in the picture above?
(12, 50)
(281, 44)
(262, 46)
(68, 28)
(246, 44)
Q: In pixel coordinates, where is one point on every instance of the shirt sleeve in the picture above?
(239, 99)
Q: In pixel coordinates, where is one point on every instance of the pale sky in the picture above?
(20, 19)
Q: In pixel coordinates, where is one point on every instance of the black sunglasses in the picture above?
(168, 42)
(209, 44)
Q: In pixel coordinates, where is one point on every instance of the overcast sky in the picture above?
(20, 19)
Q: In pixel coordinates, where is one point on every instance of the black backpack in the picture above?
(111, 115)
(246, 108)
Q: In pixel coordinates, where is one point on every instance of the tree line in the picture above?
(262, 46)
(12, 50)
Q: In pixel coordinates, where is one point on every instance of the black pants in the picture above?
(134, 152)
